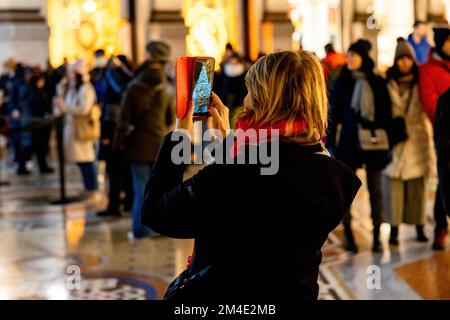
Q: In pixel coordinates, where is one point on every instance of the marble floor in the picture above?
(66, 252)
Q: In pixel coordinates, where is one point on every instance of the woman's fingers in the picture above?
(217, 118)
(190, 110)
(218, 104)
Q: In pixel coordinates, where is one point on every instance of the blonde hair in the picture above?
(288, 86)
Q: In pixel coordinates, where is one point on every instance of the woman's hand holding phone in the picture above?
(218, 111)
(220, 115)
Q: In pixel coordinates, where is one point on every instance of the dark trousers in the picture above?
(440, 216)
(118, 170)
(89, 175)
(376, 204)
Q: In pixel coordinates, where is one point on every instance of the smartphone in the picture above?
(195, 76)
(202, 83)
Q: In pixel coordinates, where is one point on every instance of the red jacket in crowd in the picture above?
(434, 80)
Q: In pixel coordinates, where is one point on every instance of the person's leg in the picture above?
(141, 175)
(440, 217)
(350, 244)
(114, 171)
(415, 206)
(394, 195)
(127, 185)
(374, 186)
(89, 175)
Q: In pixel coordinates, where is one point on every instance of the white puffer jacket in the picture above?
(415, 157)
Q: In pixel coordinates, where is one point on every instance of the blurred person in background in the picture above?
(360, 100)
(35, 109)
(148, 113)
(442, 140)
(419, 42)
(434, 80)
(412, 156)
(287, 91)
(333, 61)
(14, 82)
(117, 75)
(232, 85)
(76, 97)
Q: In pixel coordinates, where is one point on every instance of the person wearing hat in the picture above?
(359, 98)
(148, 114)
(434, 80)
(412, 157)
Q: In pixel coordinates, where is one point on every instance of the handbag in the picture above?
(373, 139)
(187, 285)
(397, 129)
(87, 127)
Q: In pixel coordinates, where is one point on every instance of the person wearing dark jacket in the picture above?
(147, 115)
(434, 80)
(360, 99)
(35, 111)
(229, 208)
(116, 76)
(442, 143)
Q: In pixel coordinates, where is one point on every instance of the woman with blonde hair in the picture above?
(256, 235)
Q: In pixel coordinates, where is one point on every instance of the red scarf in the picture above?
(263, 133)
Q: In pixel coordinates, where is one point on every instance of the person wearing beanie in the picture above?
(405, 176)
(359, 97)
(148, 108)
(418, 41)
(434, 80)
(155, 51)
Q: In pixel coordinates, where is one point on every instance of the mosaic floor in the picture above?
(66, 252)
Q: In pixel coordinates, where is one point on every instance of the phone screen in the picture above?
(202, 85)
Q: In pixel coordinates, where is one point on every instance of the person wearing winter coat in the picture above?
(76, 97)
(148, 113)
(442, 142)
(35, 109)
(434, 80)
(360, 99)
(412, 159)
(434, 76)
(300, 203)
(115, 77)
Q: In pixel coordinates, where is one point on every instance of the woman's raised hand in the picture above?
(220, 115)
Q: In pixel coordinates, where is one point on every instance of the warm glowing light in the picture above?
(313, 21)
(447, 10)
(392, 25)
(207, 28)
(79, 27)
(90, 6)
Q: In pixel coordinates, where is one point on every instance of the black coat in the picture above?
(442, 142)
(348, 149)
(262, 234)
(147, 114)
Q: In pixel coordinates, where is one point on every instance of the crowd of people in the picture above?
(119, 114)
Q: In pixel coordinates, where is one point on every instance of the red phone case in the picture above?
(185, 74)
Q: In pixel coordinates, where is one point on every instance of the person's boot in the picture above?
(421, 237)
(439, 239)
(376, 247)
(393, 238)
(350, 244)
